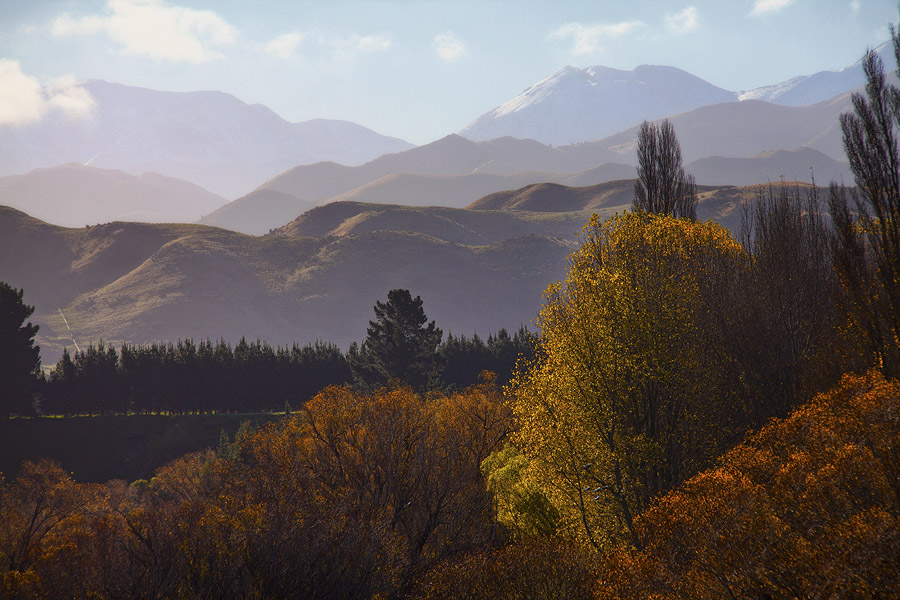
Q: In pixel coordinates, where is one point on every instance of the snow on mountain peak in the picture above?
(574, 105)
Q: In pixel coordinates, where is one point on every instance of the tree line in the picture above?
(188, 377)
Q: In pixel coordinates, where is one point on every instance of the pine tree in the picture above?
(20, 359)
(399, 344)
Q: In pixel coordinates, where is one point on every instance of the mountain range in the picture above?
(209, 138)
(583, 105)
(478, 269)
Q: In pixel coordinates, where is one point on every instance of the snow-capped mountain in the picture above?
(583, 105)
(575, 105)
(209, 138)
(810, 89)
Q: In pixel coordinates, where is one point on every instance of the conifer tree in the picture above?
(20, 359)
(399, 344)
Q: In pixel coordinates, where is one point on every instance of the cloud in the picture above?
(765, 7)
(855, 7)
(154, 29)
(683, 22)
(285, 45)
(368, 43)
(588, 39)
(448, 47)
(23, 101)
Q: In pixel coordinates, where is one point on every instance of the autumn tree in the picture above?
(809, 507)
(662, 186)
(20, 359)
(400, 343)
(867, 226)
(626, 398)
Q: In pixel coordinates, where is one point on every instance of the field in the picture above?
(96, 449)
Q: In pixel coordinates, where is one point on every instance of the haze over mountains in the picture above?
(478, 269)
(206, 137)
(478, 228)
(278, 170)
(74, 195)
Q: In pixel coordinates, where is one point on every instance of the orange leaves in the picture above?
(806, 507)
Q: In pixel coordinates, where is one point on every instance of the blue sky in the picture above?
(409, 68)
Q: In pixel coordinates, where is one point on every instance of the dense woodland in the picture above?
(700, 417)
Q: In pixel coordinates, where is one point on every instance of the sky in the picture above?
(414, 69)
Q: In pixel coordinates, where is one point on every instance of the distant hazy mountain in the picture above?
(748, 128)
(583, 105)
(210, 138)
(451, 155)
(257, 212)
(455, 171)
(74, 195)
(810, 89)
(145, 282)
(578, 105)
(790, 165)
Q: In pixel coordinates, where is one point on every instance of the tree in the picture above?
(809, 507)
(627, 396)
(662, 186)
(784, 333)
(20, 359)
(867, 240)
(399, 344)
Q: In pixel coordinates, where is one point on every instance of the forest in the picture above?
(698, 416)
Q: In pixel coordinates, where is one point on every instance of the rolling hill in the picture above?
(145, 282)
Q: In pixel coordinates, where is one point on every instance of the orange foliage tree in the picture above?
(808, 507)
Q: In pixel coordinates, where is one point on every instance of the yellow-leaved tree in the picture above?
(629, 395)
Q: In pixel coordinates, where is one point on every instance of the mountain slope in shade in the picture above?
(578, 105)
(74, 195)
(146, 282)
(791, 165)
(210, 138)
(257, 212)
(451, 155)
(818, 87)
(748, 128)
(720, 203)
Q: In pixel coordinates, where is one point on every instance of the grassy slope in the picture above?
(141, 283)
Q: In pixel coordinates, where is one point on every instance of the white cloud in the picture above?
(448, 47)
(765, 7)
(285, 45)
(855, 7)
(589, 39)
(23, 101)
(683, 22)
(154, 29)
(368, 43)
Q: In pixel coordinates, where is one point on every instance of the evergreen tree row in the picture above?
(188, 377)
